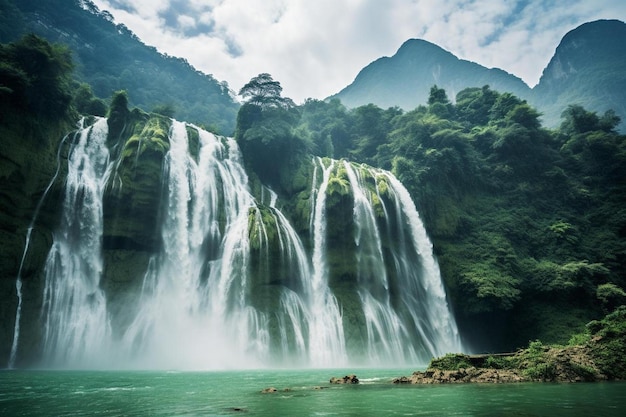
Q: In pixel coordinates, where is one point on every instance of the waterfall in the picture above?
(76, 326)
(326, 329)
(234, 284)
(194, 309)
(421, 326)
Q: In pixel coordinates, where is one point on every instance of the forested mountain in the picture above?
(109, 57)
(587, 69)
(405, 78)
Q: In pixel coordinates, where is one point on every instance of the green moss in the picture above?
(382, 185)
(153, 137)
(451, 361)
(262, 227)
(194, 142)
(608, 343)
(132, 200)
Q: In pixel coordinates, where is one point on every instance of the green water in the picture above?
(121, 393)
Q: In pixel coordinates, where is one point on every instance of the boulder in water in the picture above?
(348, 379)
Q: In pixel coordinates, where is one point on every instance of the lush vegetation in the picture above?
(108, 57)
(595, 354)
(35, 78)
(528, 223)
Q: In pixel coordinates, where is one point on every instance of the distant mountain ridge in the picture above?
(588, 68)
(405, 79)
(109, 57)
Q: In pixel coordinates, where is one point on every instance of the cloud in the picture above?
(315, 48)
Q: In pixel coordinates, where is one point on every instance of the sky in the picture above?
(315, 48)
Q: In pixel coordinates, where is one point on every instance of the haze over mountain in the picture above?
(109, 57)
(587, 69)
(405, 79)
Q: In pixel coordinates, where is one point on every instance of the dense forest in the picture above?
(528, 223)
(109, 57)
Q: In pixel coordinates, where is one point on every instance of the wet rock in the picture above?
(348, 379)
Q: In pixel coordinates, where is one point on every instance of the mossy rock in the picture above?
(132, 201)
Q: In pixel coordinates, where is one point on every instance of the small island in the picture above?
(598, 354)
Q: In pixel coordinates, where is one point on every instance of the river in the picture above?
(300, 393)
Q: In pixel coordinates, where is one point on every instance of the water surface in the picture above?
(160, 393)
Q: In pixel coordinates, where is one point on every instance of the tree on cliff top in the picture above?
(263, 91)
(266, 130)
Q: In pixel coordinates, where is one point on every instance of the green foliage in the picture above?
(610, 295)
(451, 361)
(110, 58)
(264, 91)
(497, 363)
(36, 77)
(492, 289)
(578, 339)
(272, 146)
(86, 103)
(118, 114)
(520, 216)
(609, 343)
(535, 362)
(167, 110)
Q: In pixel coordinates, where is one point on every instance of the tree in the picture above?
(37, 75)
(266, 130)
(263, 91)
(86, 103)
(437, 95)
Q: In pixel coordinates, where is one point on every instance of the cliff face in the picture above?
(31, 155)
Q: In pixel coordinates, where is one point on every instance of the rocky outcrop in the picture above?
(536, 363)
(132, 208)
(463, 375)
(348, 379)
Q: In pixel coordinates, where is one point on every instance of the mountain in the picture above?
(588, 68)
(109, 57)
(405, 78)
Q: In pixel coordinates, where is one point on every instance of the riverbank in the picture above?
(598, 354)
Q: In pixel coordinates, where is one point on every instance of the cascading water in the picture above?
(420, 326)
(194, 310)
(233, 284)
(76, 326)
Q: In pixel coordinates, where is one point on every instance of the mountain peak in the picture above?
(588, 69)
(584, 47)
(405, 78)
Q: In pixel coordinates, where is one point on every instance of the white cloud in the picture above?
(315, 48)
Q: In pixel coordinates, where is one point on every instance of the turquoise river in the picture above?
(300, 393)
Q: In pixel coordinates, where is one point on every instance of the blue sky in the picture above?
(317, 47)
